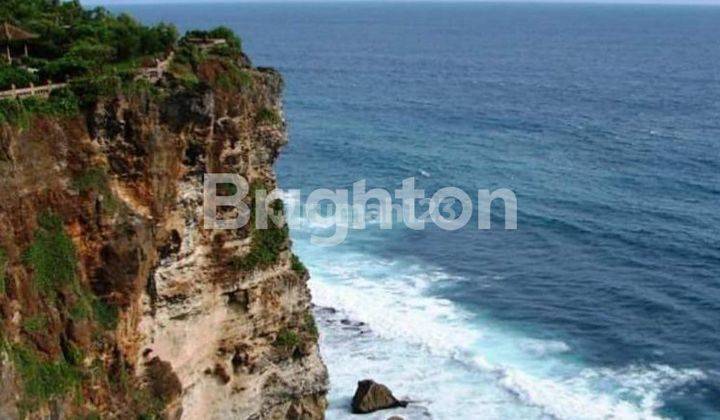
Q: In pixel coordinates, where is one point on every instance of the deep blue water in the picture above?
(604, 120)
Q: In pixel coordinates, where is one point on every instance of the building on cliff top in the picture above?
(206, 43)
(10, 34)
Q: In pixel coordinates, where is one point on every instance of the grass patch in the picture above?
(89, 305)
(233, 78)
(286, 340)
(42, 380)
(268, 116)
(35, 324)
(19, 112)
(310, 327)
(106, 315)
(297, 266)
(96, 179)
(80, 310)
(265, 247)
(184, 74)
(265, 244)
(13, 75)
(51, 255)
(91, 179)
(91, 89)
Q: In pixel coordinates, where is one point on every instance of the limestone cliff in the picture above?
(116, 302)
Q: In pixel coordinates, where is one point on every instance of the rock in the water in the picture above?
(371, 396)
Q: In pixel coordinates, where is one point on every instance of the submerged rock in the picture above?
(371, 396)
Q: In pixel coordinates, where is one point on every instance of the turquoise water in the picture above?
(604, 120)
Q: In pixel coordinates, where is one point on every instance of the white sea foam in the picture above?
(544, 347)
(457, 365)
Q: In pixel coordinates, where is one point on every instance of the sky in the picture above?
(119, 2)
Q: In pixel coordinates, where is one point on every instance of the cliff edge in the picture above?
(116, 302)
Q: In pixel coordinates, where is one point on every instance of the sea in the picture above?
(603, 120)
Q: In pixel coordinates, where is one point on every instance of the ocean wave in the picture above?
(391, 301)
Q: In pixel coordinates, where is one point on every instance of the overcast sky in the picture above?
(114, 2)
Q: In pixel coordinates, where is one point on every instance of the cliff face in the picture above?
(116, 300)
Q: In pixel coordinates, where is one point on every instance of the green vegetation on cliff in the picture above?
(265, 244)
(51, 255)
(286, 340)
(268, 116)
(43, 379)
(62, 103)
(35, 324)
(297, 265)
(102, 55)
(75, 42)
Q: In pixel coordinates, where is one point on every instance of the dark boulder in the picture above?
(371, 396)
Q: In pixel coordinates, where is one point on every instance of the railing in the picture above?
(152, 73)
(43, 90)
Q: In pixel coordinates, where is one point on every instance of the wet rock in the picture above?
(371, 396)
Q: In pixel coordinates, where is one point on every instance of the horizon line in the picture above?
(713, 3)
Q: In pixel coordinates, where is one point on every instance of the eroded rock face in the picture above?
(371, 396)
(208, 340)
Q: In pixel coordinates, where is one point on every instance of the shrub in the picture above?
(225, 51)
(15, 76)
(92, 179)
(297, 266)
(91, 52)
(309, 326)
(190, 55)
(66, 67)
(265, 244)
(159, 38)
(89, 305)
(105, 314)
(80, 310)
(140, 88)
(93, 88)
(286, 340)
(228, 35)
(51, 255)
(183, 73)
(42, 379)
(13, 112)
(268, 116)
(265, 247)
(62, 103)
(35, 324)
(97, 36)
(234, 77)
